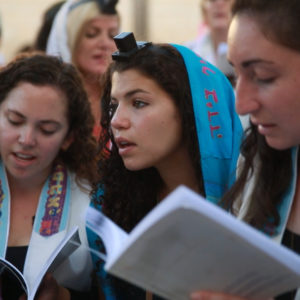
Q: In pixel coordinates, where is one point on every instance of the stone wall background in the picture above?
(167, 21)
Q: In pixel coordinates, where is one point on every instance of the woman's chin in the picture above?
(280, 144)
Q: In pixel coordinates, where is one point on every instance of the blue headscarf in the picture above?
(218, 126)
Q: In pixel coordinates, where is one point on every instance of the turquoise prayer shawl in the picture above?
(218, 126)
(53, 209)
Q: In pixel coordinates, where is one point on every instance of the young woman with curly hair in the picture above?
(47, 168)
(170, 118)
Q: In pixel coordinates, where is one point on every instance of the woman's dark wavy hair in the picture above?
(42, 70)
(130, 195)
(279, 22)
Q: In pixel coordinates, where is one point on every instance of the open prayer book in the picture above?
(187, 244)
(67, 246)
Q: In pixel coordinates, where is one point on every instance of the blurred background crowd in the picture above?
(156, 20)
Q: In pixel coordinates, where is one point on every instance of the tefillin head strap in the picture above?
(127, 46)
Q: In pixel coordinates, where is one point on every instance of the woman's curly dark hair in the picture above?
(130, 195)
(273, 168)
(42, 70)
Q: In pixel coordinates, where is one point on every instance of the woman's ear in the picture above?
(68, 141)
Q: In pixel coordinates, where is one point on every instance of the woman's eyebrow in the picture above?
(131, 93)
(42, 121)
(250, 62)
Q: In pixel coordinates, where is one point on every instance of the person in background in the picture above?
(47, 168)
(267, 192)
(82, 33)
(171, 119)
(211, 43)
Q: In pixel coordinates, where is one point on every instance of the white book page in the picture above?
(66, 247)
(112, 235)
(199, 246)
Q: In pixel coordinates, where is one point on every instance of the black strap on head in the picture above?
(107, 6)
(127, 46)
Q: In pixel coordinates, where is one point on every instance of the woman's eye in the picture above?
(263, 77)
(139, 103)
(14, 122)
(47, 131)
(265, 80)
(91, 34)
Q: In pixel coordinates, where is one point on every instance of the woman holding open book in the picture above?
(47, 166)
(264, 48)
(171, 120)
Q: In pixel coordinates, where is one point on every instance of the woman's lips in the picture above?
(22, 159)
(124, 146)
(125, 150)
(265, 129)
(100, 58)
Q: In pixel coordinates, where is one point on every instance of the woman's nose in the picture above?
(27, 137)
(105, 41)
(247, 100)
(120, 119)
